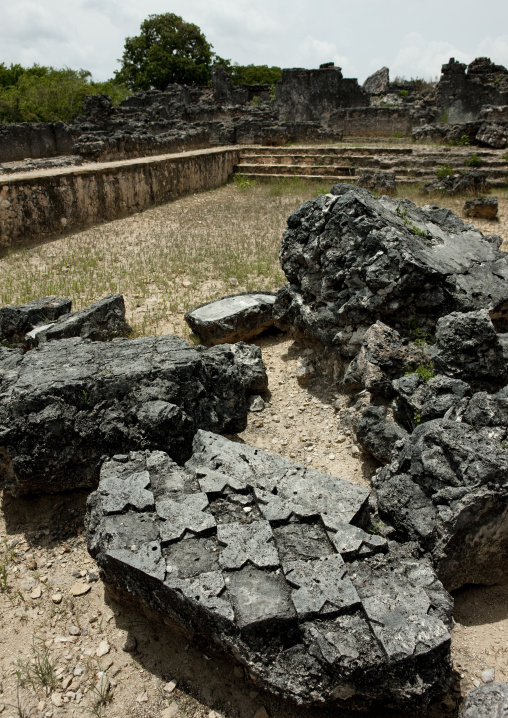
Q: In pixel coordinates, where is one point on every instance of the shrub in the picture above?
(443, 171)
(474, 161)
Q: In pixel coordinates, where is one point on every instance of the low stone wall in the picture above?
(373, 121)
(34, 207)
(35, 139)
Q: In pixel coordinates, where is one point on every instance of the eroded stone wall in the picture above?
(35, 139)
(37, 207)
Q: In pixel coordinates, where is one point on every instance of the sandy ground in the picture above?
(43, 562)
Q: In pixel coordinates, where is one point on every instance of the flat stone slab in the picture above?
(274, 562)
(237, 317)
(66, 404)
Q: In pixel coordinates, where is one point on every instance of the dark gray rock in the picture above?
(438, 397)
(101, 321)
(383, 356)
(378, 83)
(482, 207)
(471, 182)
(378, 432)
(468, 348)
(231, 319)
(381, 182)
(68, 403)
(493, 135)
(250, 364)
(488, 701)
(351, 259)
(17, 320)
(448, 489)
(488, 414)
(269, 560)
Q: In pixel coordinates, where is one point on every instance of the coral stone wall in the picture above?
(47, 204)
(35, 139)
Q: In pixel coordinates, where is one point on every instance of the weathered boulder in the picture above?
(231, 319)
(9, 359)
(447, 488)
(18, 320)
(468, 348)
(351, 259)
(101, 321)
(249, 362)
(493, 135)
(379, 433)
(383, 356)
(378, 82)
(488, 701)
(471, 182)
(433, 398)
(68, 403)
(383, 182)
(271, 561)
(482, 207)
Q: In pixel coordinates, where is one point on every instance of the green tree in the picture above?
(168, 50)
(254, 74)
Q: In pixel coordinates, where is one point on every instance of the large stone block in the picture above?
(66, 404)
(18, 320)
(273, 562)
(488, 701)
(351, 260)
(447, 488)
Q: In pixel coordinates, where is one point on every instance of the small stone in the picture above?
(234, 282)
(66, 682)
(36, 593)
(261, 713)
(171, 711)
(31, 563)
(488, 675)
(57, 598)
(256, 403)
(41, 705)
(355, 451)
(341, 438)
(186, 283)
(56, 699)
(129, 645)
(74, 631)
(169, 687)
(79, 589)
(142, 698)
(331, 457)
(104, 649)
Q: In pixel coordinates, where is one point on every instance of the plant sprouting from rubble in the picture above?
(473, 160)
(443, 171)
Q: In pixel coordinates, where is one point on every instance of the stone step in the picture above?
(288, 169)
(500, 182)
(326, 150)
(458, 162)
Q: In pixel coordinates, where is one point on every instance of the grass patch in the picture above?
(38, 671)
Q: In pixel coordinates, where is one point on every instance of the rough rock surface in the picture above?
(379, 433)
(482, 207)
(18, 320)
(101, 321)
(271, 561)
(68, 403)
(383, 356)
(351, 259)
(468, 348)
(472, 182)
(378, 83)
(493, 135)
(383, 182)
(447, 488)
(231, 319)
(488, 701)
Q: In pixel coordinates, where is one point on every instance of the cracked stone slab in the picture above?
(244, 543)
(234, 318)
(18, 320)
(67, 403)
(318, 609)
(321, 586)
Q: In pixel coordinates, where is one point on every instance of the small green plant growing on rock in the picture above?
(424, 371)
(402, 213)
(403, 93)
(242, 182)
(462, 141)
(474, 161)
(255, 101)
(443, 171)
(417, 417)
(505, 156)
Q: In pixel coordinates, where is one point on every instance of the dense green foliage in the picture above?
(168, 50)
(44, 94)
(253, 74)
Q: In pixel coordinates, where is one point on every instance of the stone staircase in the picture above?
(416, 164)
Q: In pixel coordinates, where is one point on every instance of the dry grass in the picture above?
(172, 257)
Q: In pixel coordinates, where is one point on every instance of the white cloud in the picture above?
(418, 57)
(314, 52)
(495, 48)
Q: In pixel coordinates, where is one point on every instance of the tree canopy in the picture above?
(168, 50)
(45, 94)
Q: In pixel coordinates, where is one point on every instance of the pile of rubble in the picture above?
(328, 594)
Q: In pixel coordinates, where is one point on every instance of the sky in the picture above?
(413, 38)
